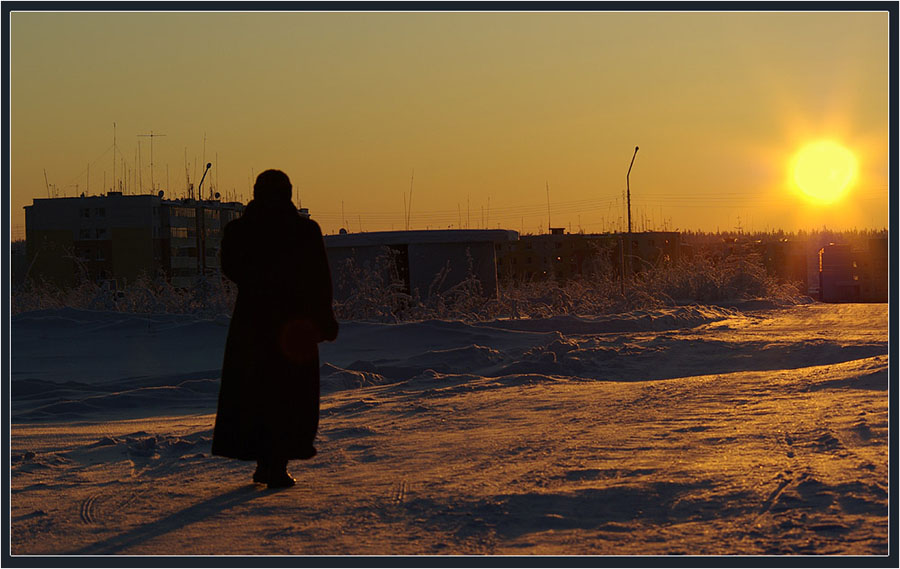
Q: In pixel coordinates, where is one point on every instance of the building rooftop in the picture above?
(422, 236)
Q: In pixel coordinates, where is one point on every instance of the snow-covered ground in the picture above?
(690, 430)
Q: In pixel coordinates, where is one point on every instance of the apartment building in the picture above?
(115, 238)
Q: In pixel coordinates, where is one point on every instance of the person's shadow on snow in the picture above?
(174, 521)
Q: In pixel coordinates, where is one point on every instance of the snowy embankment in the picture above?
(683, 430)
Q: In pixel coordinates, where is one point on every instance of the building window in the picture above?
(182, 232)
(86, 212)
(528, 260)
(183, 212)
(100, 211)
(184, 251)
(101, 233)
(84, 233)
(100, 255)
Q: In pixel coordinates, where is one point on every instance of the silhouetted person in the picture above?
(269, 397)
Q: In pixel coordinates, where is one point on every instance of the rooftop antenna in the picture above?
(151, 136)
(549, 225)
(187, 176)
(140, 167)
(409, 208)
(114, 159)
(628, 186)
(46, 183)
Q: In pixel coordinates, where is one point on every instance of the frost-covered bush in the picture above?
(208, 297)
(371, 291)
(377, 292)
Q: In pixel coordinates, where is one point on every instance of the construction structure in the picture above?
(423, 262)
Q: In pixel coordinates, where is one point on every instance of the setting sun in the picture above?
(824, 170)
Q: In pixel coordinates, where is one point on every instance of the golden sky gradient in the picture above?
(486, 108)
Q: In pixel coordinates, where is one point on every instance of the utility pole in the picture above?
(200, 224)
(626, 266)
(628, 186)
(151, 136)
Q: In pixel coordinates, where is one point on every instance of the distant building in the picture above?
(873, 271)
(854, 275)
(114, 238)
(785, 260)
(563, 256)
(421, 257)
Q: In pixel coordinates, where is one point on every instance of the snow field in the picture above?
(691, 430)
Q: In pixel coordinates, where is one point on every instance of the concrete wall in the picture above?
(427, 260)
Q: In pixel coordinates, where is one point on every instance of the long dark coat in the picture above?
(269, 396)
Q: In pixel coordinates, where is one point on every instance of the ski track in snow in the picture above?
(753, 429)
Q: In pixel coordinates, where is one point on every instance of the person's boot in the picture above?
(279, 477)
(261, 476)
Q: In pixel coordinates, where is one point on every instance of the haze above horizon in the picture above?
(476, 113)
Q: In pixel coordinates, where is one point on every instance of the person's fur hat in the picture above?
(272, 186)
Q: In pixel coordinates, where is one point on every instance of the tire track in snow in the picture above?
(87, 509)
(399, 492)
(767, 505)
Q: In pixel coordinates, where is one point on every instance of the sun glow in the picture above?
(824, 171)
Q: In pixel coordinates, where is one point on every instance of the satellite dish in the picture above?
(343, 231)
(218, 195)
(161, 193)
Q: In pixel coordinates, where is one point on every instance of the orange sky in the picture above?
(486, 108)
